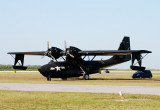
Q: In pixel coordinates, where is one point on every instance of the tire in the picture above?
(48, 78)
(86, 76)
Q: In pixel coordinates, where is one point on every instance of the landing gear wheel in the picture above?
(48, 78)
(86, 76)
(64, 78)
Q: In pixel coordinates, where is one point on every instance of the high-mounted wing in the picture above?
(136, 55)
(90, 52)
(111, 52)
(19, 56)
(52, 52)
(41, 53)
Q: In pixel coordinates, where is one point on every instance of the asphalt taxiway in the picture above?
(80, 88)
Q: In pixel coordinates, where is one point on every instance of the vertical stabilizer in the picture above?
(125, 44)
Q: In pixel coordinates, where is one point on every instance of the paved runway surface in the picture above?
(80, 88)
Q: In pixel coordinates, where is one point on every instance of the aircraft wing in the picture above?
(112, 52)
(41, 53)
(90, 52)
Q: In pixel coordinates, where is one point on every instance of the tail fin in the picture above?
(125, 44)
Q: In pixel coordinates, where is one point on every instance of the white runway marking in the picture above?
(80, 88)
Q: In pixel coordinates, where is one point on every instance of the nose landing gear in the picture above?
(49, 78)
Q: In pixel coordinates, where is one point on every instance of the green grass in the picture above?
(10, 67)
(17, 100)
(113, 78)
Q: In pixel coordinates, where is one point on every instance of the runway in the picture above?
(80, 88)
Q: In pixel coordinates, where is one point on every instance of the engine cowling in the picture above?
(73, 51)
(55, 52)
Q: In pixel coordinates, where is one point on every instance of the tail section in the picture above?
(125, 45)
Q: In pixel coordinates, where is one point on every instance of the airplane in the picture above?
(75, 65)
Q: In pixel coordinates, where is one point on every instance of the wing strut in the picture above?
(93, 58)
(138, 57)
(20, 66)
(84, 57)
(14, 59)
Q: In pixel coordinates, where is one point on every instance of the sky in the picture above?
(27, 25)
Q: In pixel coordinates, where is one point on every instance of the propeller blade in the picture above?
(65, 44)
(52, 57)
(45, 54)
(70, 55)
(42, 57)
(47, 44)
(66, 50)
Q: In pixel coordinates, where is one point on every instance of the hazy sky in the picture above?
(27, 25)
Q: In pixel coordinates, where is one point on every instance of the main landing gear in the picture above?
(86, 76)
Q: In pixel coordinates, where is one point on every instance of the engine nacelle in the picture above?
(55, 52)
(73, 51)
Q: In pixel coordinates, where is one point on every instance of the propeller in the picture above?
(55, 52)
(48, 52)
(67, 51)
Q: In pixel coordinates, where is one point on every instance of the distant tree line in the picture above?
(10, 67)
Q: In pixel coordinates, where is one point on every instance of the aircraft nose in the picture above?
(41, 69)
